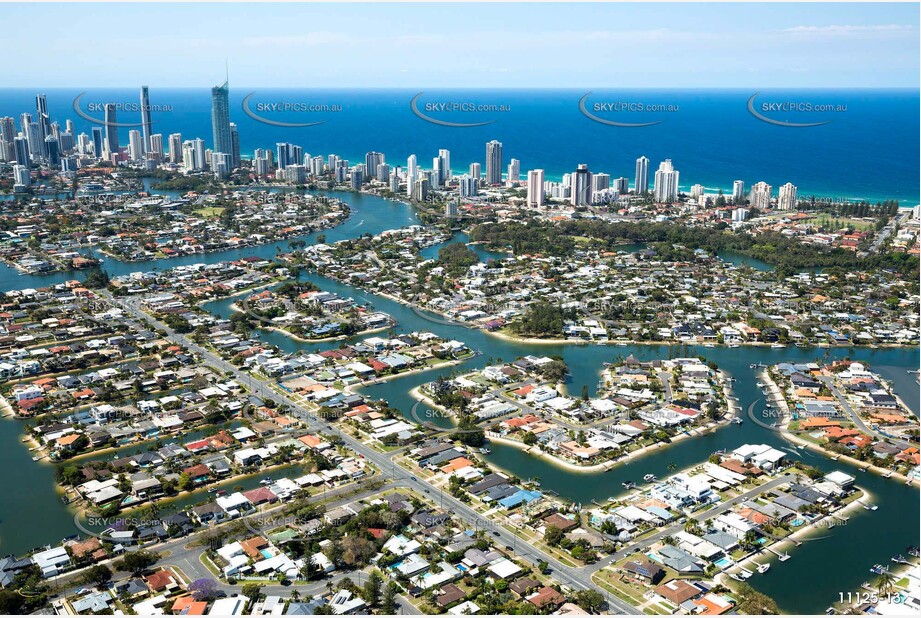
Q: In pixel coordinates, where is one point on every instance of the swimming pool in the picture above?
(266, 553)
(723, 563)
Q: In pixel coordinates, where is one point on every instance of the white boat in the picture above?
(709, 345)
(649, 478)
(778, 346)
(762, 568)
(733, 345)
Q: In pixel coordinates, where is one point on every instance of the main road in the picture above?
(575, 578)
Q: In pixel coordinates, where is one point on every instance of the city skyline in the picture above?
(785, 45)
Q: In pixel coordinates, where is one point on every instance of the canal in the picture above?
(31, 514)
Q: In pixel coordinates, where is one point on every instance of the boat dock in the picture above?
(782, 556)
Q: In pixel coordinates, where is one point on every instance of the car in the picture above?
(509, 547)
(494, 533)
(413, 478)
(427, 491)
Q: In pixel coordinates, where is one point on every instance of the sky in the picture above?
(464, 45)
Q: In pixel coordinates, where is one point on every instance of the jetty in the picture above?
(782, 556)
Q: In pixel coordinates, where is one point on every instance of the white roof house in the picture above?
(504, 568)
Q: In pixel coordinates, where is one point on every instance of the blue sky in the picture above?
(464, 45)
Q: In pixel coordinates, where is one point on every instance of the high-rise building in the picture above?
(21, 150)
(175, 148)
(739, 214)
(52, 151)
(7, 135)
(536, 188)
(220, 164)
(412, 165)
(97, 142)
(43, 119)
(697, 190)
(494, 163)
(261, 166)
(786, 197)
(467, 186)
(21, 175)
(420, 189)
(201, 158)
(475, 171)
(383, 172)
(156, 146)
(188, 157)
(234, 146)
(135, 147)
(622, 185)
(220, 119)
(451, 207)
(372, 160)
(641, 180)
(36, 141)
(146, 131)
(738, 191)
(581, 183)
(760, 196)
(84, 144)
(281, 155)
(601, 181)
(66, 141)
(296, 174)
(111, 145)
(513, 175)
(395, 181)
(665, 185)
(357, 177)
(444, 166)
(436, 173)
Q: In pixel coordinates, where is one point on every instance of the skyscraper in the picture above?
(444, 166)
(220, 119)
(111, 129)
(786, 197)
(581, 183)
(760, 196)
(536, 188)
(494, 163)
(145, 118)
(52, 151)
(475, 171)
(44, 120)
(665, 188)
(372, 160)
(21, 150)
(156, 146)
(7, 135)
(738, 191)
(234, 146)
(466, 187)
(175, 148)
(97, 142)
(513, 175)
(641, 181)
(135, 148)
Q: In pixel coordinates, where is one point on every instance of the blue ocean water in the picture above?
(867, 150)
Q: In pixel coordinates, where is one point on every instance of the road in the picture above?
(855, 417)
(575, 578)
(886, 232)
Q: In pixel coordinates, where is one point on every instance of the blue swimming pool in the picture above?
(723, 563)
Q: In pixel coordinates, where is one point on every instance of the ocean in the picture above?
(865, 150)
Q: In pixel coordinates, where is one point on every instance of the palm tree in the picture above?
(884, 583)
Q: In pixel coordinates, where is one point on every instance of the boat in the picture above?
(628, 485)
(266, 481)
(221, 492)
(485, 451)
(649, 478)
(760, 384)
(733, 345)
(736, 420)
(762, 568)
(877, 569)
(736, 577)
(778, 346)
(709, 345)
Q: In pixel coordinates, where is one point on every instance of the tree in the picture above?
(591, 600)
(97, 575)
(553, 536)
(753, 602)
(204, 589)
(251, 592)
(137, 562)
(884, 583)
(388, 604)
(372, 592)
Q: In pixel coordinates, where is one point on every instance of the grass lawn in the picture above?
(211, 211)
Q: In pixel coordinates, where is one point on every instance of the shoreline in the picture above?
(236, 308)
(862, 466)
